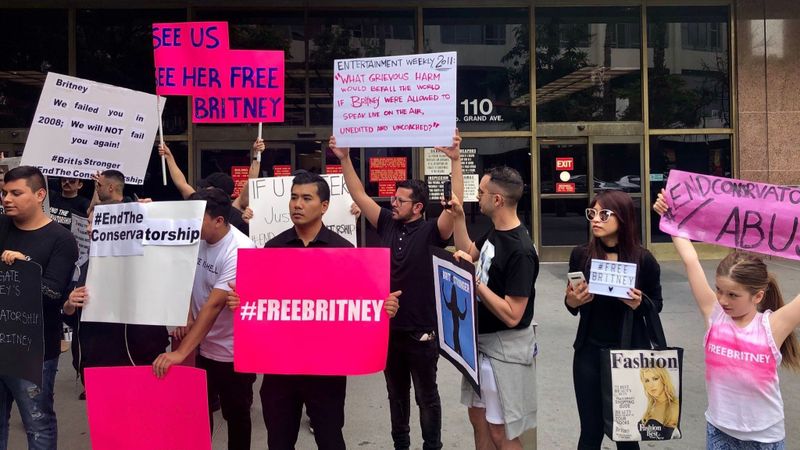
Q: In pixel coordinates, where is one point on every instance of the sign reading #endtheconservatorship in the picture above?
(82, 127)
(395, 101)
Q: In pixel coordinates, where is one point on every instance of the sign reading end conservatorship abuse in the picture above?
(82, 127)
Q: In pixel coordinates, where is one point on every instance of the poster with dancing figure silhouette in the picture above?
(454, 286)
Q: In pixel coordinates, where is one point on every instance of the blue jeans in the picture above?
(716, 439)
(35, 406)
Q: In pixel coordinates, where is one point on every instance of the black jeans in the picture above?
(282, 397)
(410, 359)
(235, 392)
(586, 378)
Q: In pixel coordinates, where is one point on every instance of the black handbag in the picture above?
(641, 388)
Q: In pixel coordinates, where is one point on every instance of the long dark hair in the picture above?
(750, 271)
(628, 232)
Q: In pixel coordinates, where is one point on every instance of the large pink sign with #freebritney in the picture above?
(759, 217)
(311, 311)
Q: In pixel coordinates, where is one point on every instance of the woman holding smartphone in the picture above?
(615, 237)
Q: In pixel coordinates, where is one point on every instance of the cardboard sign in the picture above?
(454, 286)
(438, 168)
(151, 288)
(334, 325)
(395, 101)
(240, 174)
(21, 323)
(81, 127)
(269, 200)
(228, 86)
(742, 214)
(130, 409)
(612, 278)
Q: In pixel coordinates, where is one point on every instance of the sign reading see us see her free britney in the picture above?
(395, 101)
(612, 278)
(82, 127)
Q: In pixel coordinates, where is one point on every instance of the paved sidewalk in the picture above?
(367, 412)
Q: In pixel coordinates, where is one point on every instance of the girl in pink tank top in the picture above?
(750, 333)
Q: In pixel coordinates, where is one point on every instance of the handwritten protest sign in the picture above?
(333, 326)
(611, 278)
(454, 286)
(21, 325)
(142, 262)
(81, 126)
(758, 217)
(269, 200)
(395, 101)
(147, 412)
(228, 86)
(438, 167)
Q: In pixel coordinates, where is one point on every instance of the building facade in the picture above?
(580, 96)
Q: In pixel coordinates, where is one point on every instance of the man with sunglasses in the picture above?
(505, 276)
(413, 347)
(68, 202)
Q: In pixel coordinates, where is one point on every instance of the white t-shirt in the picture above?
(216, 266)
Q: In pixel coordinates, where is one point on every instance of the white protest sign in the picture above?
(612, 278)
(79, 228)
(395, 101)
(152, 288)
(269, 200)
(82, 126)
(438, 168)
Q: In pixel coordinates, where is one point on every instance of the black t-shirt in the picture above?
(62, 208)
(512, 265)
(412, 269)
(325, 238)
(53, 248)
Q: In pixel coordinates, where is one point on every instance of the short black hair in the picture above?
(509, 180)
(116, 177)
(33, 177)
(218, 180)
(419, 191)
(218, 203)
(306, 177)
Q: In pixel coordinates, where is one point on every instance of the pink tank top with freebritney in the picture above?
(744, 396)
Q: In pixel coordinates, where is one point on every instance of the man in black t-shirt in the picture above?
(33, 236)
(505, 275)
(68, 202)
(413, 348)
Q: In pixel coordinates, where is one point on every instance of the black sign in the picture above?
(21, 325)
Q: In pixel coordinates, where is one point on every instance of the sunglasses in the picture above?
(603, 214)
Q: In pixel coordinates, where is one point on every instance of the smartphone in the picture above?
(575, 279)
(448, 193)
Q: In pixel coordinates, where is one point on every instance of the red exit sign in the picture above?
(565, 163)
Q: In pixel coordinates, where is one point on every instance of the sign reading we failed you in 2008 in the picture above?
(395, 101)
(82, 127)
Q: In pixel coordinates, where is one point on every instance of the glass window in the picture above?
(32, 43)
(707, 154)
(274, 30)
(564, 221)
(384, 167)
(494, 70)
(617, 167)
(153, 186)
(116, 47)
(688, 82)
(562, 168)
(351, 34)
(588, 66)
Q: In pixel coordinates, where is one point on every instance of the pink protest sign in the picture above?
(311, 311)
(228, 86)
(742, 214)
(129, 408)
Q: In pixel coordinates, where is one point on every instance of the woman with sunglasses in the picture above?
(615, 237)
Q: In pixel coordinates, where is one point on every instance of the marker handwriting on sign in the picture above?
(207, 37)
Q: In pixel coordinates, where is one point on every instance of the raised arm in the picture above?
(178, 178)
(785, 320)
(255, 166)
(460, 235)
(704, 295)
(369, 208)
(445, 222)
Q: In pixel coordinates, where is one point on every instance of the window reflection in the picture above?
(688, 59)
(32, 43)
(493, 87)
(588, 66)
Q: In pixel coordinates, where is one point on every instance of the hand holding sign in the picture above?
(391, 305)
(454, 151)
(341, 152)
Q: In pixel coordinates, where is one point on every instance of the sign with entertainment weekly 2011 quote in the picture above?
(81, 127)
(142, 261)
(758, 217)
(395, 101)
(269, 200)
(612, 278)
(21, 323)
(334, 325)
